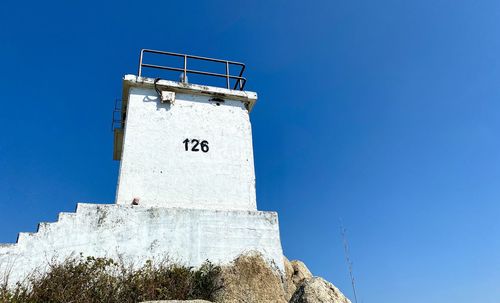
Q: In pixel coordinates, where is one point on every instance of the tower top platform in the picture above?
(164, 67)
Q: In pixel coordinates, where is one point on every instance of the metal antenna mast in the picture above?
(348, 259)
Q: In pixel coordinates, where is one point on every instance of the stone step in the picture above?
(24, 236)
(6, 248)
(64, 216)
(44, 226)
(84, 207)
(7, 245)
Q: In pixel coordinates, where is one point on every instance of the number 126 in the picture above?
(196, 145)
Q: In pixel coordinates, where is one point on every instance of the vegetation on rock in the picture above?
(88, 280)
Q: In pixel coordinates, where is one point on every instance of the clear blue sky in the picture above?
(382, 113)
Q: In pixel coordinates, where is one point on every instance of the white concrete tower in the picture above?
(186, 185)
(191, 148)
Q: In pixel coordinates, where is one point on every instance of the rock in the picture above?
(300, 272)
(178, 301)
(317, 290)
(295, 273)
(288, 284)
(250, 279)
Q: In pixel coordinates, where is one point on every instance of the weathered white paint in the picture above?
(156, 168)
(136, 234)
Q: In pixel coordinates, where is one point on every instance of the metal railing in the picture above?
(240, 81)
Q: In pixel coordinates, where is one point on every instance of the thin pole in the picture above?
(348, 259)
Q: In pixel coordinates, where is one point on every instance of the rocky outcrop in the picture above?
(250, 279)
(300, 272)
(288, 285)
(295, 273)
(317, 290)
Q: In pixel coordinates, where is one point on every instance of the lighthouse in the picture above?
(186, 145)
(186, 184)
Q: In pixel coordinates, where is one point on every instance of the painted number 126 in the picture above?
(196, 145)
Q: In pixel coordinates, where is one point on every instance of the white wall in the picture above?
(156, 168)
(137, 234)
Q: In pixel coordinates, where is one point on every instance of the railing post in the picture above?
(140, 63)
(227, 74)
(184, 76)
(239, 84)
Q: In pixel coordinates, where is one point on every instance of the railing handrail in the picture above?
(239, 83)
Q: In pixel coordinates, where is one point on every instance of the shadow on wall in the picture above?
(159, 105)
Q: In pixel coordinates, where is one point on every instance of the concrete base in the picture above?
(136, 234)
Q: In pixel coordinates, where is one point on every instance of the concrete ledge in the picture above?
(247, 97)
